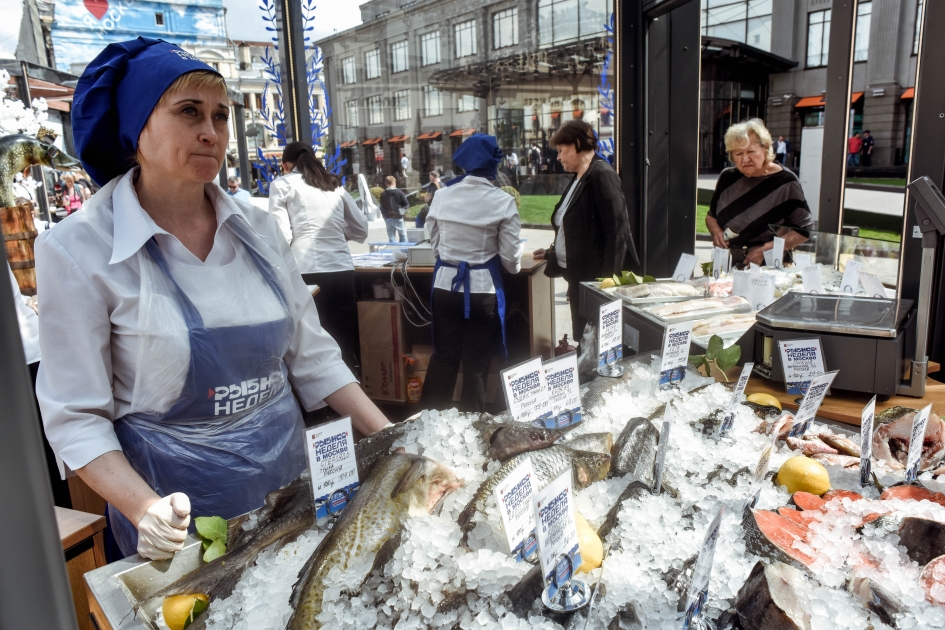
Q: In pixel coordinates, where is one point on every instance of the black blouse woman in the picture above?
(754, 195)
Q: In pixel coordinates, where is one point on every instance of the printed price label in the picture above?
(721, 261)
(526, 391)
(761, 469)
(557, 533)
(802, 260)
(866, 442)
(741, 284)
(851, 277)
(761, 292)
(774, 257)
(687, 262)
(699, 587)
(915, 443)
(872, 284)
(333, 466)
(811, 403)
(564, 390)
(610, 333)
(802, 360)
(675, 353)
(812, 279)
(661, 447)
(740, 386)
(514, 496)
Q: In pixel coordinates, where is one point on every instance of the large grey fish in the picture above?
(635, 489)
(506, 438)
(775, 597)
(634, 452)
(592, 442)
(287, 511)
(375, 447)
(17, 151)
(400, 486)
(548, 463)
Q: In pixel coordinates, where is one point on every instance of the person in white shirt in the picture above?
(175, 328)
(475, 234)
(318, 217)
(234, 189)
(405, 163)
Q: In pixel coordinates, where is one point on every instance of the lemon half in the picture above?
(805, 475)
(764, 399)
(592, 550)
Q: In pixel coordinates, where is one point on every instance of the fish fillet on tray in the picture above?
(724, 324)
(699, 309)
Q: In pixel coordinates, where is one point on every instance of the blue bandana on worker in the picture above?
(479, 156)
(115, 96)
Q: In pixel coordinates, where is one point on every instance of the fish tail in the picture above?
(306, 601)
(211, 579)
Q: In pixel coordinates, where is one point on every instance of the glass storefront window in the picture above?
(372, 64)
(432, 101)
(398, 56)
(818, 38)
(464, 36)
(402, 105)
(505, 28)
(744, 21)
(430, 48)
(861, 42)
(348, 74)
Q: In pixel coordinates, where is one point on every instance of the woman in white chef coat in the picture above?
(318, 217)
(174, 323)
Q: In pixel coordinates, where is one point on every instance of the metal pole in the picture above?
(298, 120)
(34, 587)
(245, 174)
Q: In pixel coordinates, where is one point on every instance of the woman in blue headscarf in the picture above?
(474, 231)
(175, 324)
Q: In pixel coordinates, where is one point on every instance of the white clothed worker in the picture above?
(475, 234)
(174, 324)
(318, 217)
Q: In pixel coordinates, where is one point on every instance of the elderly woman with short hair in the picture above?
(753, 195)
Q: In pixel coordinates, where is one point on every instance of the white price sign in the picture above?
(802, 260)
(675, 356)
(741, 284)
(915, 443)
(761, 292)
(610, 333)
(721, 261)
(774, 257)
(812, 279)
(687, 262)
(699, 587)
(872, 284)
(332, 463)
(514, 496)
(811, 403)
(557, 533)
(802, 360)
(526, 391)
(564, 390)
(851, 277)
(740, 386)
(866, 442)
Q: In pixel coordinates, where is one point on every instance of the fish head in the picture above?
(589, 467)
(426, 484)
(34, 152)
(506, 442)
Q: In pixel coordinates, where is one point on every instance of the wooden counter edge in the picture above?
(74, 526)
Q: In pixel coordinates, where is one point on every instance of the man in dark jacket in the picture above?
(592, 228)
(394, 205)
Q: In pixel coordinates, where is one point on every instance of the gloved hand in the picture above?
(163, 528)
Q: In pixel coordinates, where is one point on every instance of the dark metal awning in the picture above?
(726, 59)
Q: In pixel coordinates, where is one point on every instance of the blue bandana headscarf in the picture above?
(479, 156)
(115, 96)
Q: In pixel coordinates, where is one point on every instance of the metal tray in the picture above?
(839, 314)
(652, 300)
(745, 308)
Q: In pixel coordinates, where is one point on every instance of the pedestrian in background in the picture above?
(781, 150)
(866, 152)
(394, 206)
(854, 144)
(233, 189)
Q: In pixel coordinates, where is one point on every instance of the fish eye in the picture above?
(536, 436)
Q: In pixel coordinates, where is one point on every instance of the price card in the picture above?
(872, 284)
(802, 259)
(812, 279)
(740, 386)
(761, 470)
(557, 533)
(526, 391)
(610, 333)
(675, 353)
(774, 257)
(687, 262)
(564, 390)
(662, 447)
(761, 292)
(802, 360)
(333, 466)
(851, 277)
(721, 261)
(811, 403)
(755, 270)
(514, 496)
(866, 442)
(741, 284)
(699, 587)
(915, 443)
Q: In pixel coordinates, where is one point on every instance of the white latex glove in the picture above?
(163, 528)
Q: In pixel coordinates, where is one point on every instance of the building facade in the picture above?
(414, 79)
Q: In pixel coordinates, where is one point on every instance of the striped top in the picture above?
(749, 205)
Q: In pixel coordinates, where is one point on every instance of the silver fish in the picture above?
(634, 452)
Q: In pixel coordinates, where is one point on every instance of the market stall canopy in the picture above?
(909, 93)
(432, 135)
(372, 141)
(394, 139)
(811, 101)
(349, 144)
(462, 132)
(55, 86)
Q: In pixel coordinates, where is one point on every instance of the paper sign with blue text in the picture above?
(811, 403)
(675, 355)
(610, 333)
(564, 390)
(802, 360)
(514, 496)
(916, 441)
(740, 386)
(557, 532)
(866, 441)
(332, 463)
(699, 587)
(774, 257)
(526, 391)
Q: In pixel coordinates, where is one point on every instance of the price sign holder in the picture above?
(685, 266)
(526, 392)
(610, 339)
(564, 390)
(866, 441)
(334, 469)
(559, 552)
(698, 591)
(801, 361)
(675, 354)
(740, 386)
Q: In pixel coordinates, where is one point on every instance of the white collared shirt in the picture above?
(561, 252)
(89, 285)
(317, 224)
(471, 222)
(29, 323)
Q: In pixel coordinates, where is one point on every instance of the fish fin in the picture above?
(208, 579)
(409, 478)
(386, 552)
(299, 587)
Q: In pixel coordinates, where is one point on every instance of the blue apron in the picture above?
(235, 432)
(461, 282)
